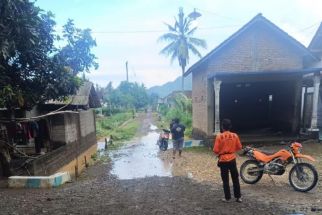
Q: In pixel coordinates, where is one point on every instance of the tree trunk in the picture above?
(182, 78)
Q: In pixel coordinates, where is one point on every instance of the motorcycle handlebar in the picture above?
(245, 150)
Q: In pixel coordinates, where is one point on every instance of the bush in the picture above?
(181, 108)
(185, 119)
(109, 111)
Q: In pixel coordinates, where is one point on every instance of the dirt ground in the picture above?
(201, 167)
(195, 188)
(100, 193)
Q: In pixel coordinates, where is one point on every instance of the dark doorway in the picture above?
(258, 105)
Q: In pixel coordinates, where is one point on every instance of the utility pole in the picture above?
(127, 71)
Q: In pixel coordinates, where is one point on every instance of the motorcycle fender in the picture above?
(305, 156)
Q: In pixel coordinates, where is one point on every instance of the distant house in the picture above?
(56, 136)
(161, 102)
(261, 78)
(168, 100)
(171, 97)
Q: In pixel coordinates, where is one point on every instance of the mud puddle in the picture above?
(139, 158)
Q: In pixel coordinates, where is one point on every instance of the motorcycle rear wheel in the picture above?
(303, 177)
(163, 145)
(250, 177)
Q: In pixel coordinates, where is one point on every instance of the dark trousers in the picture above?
(225, 168)
(38, 144)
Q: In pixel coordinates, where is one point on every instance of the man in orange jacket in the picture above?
(226, 145)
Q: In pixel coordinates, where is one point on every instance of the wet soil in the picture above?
(187, 185)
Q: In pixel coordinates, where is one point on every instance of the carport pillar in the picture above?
(314, 120)
(217, 84)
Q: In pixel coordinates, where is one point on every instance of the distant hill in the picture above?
(168, 87)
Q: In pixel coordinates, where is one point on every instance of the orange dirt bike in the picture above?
(302, 176)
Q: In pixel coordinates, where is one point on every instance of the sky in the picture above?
(128, 30)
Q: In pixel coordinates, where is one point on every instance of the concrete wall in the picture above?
(257, 49)
(320, 109)
(310, 104)
(57, 129)
(83, 160)
(70, 127)
(71, 147)
(87, 122)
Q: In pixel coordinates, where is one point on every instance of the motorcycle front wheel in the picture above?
(250, 172)
(164, 145)
(303, 177)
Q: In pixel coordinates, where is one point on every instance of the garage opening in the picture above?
(258, 106)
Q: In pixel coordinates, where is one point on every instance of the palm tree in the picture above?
(181, 41)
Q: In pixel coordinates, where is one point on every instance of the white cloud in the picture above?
(142, 50)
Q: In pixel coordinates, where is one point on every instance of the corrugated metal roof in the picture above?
(85, 96)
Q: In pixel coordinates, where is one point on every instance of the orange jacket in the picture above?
(225, 146)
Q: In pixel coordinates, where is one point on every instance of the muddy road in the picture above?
(141, 180)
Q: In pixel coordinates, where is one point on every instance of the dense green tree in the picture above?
(153, 101)
(107, 93)
(181, 41)
(127, 95)
(77, 53)
(181, 107)
(32, 69)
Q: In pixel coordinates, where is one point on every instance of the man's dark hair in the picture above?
(176, 120)
(226, 124)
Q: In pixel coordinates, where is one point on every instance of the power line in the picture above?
(199, 28)
(308, 27)
(158, 31)
(211, 12)
(230, 18)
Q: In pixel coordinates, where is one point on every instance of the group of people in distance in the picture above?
(226, 144)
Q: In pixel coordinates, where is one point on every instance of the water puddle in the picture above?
(139, 159)
(153, 127)
(100, 147)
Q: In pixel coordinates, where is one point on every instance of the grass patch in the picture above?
(105, 126)
(120, 127)
(123, 133)
(198, 149)
(101, 156)
(160, 121)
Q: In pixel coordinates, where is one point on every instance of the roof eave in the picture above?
(264, 73)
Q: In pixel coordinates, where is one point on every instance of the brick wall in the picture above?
(257, 49)
(199, 100)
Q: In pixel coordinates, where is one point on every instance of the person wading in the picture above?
(226, 145)
(177, 131)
